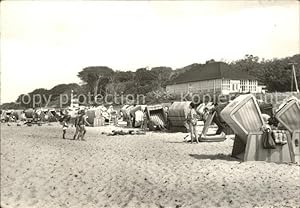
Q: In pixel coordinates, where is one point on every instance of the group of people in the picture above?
(79, 123)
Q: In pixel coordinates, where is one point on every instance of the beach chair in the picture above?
(156, 117)
(204, 137)
(177, 116)
(254, 150)
(126, 114)
(100, 121)
(296, 146)
(289, 116)
(244, 117)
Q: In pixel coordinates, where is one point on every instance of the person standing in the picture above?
(80, 122)
(145, 120)
(64, 122)
(192, 122)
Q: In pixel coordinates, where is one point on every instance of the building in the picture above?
(216, 77)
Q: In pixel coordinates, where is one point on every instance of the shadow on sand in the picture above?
(214, 157)
(189, 142)
(182, 142)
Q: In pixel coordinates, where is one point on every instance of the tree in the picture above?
(40, 97)
(123, 76)
(94, 76)
(145, 81)
(118, 81)
(210, 61)
(163, 74)
(275, 73)
(249, 64)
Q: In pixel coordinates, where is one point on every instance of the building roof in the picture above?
(215, 70)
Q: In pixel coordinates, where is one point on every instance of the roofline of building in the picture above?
(221, 74)
(222, 78)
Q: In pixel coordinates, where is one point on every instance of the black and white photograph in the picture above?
(150, 104)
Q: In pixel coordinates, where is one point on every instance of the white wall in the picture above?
(196, 87)
(242, 86)
(225, 86)
(177, 88)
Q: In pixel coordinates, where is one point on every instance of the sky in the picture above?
(45, 43)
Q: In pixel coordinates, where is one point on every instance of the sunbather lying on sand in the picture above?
(121, 132)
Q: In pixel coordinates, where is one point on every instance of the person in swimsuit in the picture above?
(64, 122)
(192, 122)
(80, 122)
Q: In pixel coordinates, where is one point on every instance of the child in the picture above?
(192, 122)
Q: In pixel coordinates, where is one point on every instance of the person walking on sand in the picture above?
(80, 122)
(192, 122)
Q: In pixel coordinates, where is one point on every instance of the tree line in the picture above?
(276, 74)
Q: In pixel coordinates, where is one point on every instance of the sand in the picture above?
(39, 169)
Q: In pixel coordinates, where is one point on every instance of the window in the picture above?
(243, 85)
(248, 85)
(252, 85)
(225, 84)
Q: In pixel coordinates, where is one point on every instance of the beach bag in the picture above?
(268, 141)
(279, 136)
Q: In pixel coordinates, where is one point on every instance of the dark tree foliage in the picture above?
(42, 96)
(163, 75)
(96, 77)
(276, 74)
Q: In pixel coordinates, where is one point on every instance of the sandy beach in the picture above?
(39, 169)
